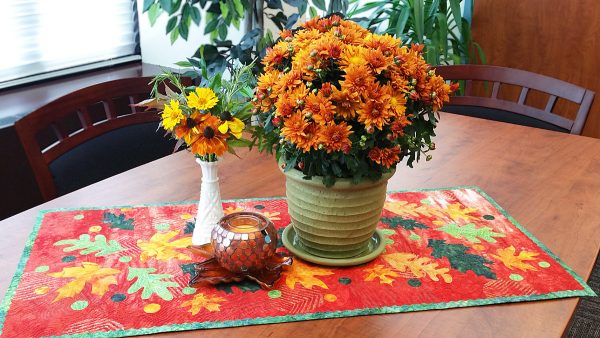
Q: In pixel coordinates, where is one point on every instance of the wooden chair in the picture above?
(91, 134)
(496, 108)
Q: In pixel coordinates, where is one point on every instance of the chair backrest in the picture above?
(94, 123)
(497, 76)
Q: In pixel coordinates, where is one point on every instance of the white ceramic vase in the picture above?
(210, 208)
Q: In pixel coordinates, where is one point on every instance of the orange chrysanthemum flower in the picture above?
(319, 108)
(397, 127)
(304, 38)
(384, 43)
(376, 60)
(285, 106)
(335, 137)
(440, 91)
(352, 55)
(329, 47)
(206, 138)
(358, 79)
(310, 139)
(346, 103)
(375, 110)
(276, 55)
(288, 81)
(293, 127)
(387, 157)
(398, 104)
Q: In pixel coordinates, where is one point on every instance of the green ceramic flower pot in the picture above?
(337, 221)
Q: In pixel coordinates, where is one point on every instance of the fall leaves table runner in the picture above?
(124, 270)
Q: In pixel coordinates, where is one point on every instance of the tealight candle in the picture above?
(244, 241)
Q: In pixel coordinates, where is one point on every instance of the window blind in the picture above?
(43, 39)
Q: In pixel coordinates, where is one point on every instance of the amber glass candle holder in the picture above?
(243, 245)
(244, 241)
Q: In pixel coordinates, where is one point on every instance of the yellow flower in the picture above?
(202, 99)
(172, 115)
(234, 125)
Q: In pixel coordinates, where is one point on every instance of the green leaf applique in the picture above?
(87, 246)
(118, 221)
(460, 259)
(151, 283)
(470, 232)
(408, 224)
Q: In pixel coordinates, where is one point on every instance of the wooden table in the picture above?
(549, 181)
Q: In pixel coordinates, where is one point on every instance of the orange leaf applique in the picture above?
(456, 211)
(381, 272)
(201, 301)
(418, 266)
(160, 247)
(411, 209)
(273, 216)
(231, 210)
(508, 258)
(99, 277)
(305, 275)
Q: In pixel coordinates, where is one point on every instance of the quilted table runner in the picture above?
(122, 271)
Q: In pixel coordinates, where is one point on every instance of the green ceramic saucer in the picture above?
(291, 242)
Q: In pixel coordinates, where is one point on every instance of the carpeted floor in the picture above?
(586, 320)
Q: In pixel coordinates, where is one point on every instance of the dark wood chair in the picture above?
(496, 108)
(91, 134)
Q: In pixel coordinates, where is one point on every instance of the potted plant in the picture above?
(341, 107)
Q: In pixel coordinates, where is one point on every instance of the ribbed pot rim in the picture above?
(340, 183)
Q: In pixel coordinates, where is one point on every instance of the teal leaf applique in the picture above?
(460, 259)
(87, 246)
(118, 221)
(408, 224)
(244, 286)
(151, 283)
(470, 232)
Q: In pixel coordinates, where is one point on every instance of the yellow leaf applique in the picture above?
(381, 272)
(273, 216)
(201, 301)
(508, 258)
(305, 275)
(457, 212)
(160, 247)
(99, 277)
(231, 210)
(418, 266)
(412, 209)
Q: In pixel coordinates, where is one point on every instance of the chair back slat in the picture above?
(554, 88)
(550, 104)
(495, 89)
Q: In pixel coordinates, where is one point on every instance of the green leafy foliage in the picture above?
(151, 283)
(87, 246)
(221, 16)
(470, 232)
(441, 26)
(459, 258)
(118, 221)
(408, 224)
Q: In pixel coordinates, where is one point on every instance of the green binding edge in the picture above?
(587, 291)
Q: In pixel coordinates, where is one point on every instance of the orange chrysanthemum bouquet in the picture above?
(338, 101)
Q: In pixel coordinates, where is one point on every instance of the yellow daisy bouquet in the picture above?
(208, 119)
(337, 101)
